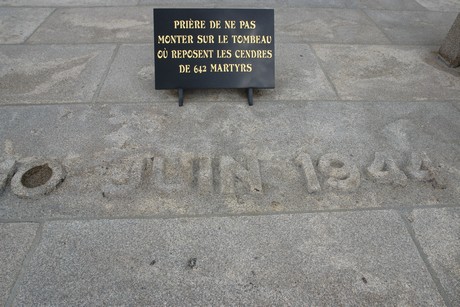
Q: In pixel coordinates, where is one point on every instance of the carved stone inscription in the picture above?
(222, 175)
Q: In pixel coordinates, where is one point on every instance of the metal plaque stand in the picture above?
(250, 96)
(181, 97)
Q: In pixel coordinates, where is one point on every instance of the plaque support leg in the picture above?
(181, 97)
(250, 96)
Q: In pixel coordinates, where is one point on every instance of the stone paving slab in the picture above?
(67, 2)
(358, 4)
(17, 24)
(295, 25)
(385, 4)
(438, 231)
(353, 4)
(414, 27)
(225, 158)
(298, 77)
(255, 3)
(15, 241)
(134, 24)
(51, 73)
(449, 51)
(97, 25)
(315, 3)
(380, 73)
(441, 5)
(323, 259)
(213, 4)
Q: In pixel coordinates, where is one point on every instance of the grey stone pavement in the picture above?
(341, 186)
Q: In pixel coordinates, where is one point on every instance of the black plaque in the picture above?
(214, 48)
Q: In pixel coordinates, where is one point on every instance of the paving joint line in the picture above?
(229, 215)
(78, 44)
(360, 44)
(320, 64)
(456, 104)
(151, 42)
(105, 74)
(25, 264)
(434, 46)
(161, 103)
(49, 104)
(284, 5)
(70, 6)
(25, 42)
(281, 43)
(422, 9)
(356, 9)
(375, 24)
(410, 11)
(424, 257)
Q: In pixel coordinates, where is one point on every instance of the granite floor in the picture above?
(341, 186)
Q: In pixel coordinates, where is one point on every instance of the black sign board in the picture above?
(214, 48)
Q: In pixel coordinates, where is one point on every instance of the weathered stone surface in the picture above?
(298, 77)
(7, 170)
(421, 168)
(385, 170)
(220, 4)
(450, 48)
(88, 25)
(359, 4)
(438, 231)
(131, 160)
(457, 104)
(326, 25)
(413, 27)
(131, 77)
(340, 171)
(37, 177)
(441, 5)
(17, 24)
(380, 73)
(15, 240)
(315, 3)
(355, 4)
(265, 260)
(184, 3)
(67, 2)
(51, 73)
(385, 4)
